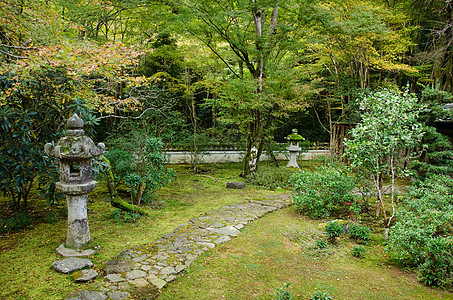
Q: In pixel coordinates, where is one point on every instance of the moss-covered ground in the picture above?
(270, 252)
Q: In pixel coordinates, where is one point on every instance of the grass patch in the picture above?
(271, 252)
(274, 250)
(26, 256)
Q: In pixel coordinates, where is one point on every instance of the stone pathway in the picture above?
(156, 264)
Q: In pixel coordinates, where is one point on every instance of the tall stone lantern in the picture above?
(74, 152)
(294, 148)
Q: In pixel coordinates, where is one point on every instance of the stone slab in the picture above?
(139, 282)
(117, 266)
(156, 281)
(67, 252)
(86, 275)
(134, 274)
(87, 295)
(71, 264)
(235, 185)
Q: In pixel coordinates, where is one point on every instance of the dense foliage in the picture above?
(322, 193)
(383, 142)
(138, 163)
(422, 236)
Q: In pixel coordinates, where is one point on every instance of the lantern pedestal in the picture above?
(74, 153)
(293, 152)
(294, 138)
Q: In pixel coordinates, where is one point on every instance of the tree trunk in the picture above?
(116, 200)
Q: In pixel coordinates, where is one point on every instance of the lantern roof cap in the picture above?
(74, 122)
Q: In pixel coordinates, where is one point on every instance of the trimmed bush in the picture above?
(333, 230)
(270, 177)
(322, 193)
(422, 236)
(360, 233)
(358, 251)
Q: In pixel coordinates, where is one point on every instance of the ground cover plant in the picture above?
(263, 259)
(27, 254)
(323, 192)
(283, 247)
(422, 236)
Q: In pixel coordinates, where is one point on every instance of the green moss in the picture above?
(295, 137)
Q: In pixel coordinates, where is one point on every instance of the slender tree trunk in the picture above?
(115, 199)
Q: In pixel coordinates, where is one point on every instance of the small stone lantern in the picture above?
(74, 152)
(294, 148)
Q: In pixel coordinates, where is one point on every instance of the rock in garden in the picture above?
(66, 252)
(117, 266)
(87, 295)
(118, 295)
(134, 274)
(156, 281)
(85, 275)
(71, 264)
(235, 185)
(227, 230)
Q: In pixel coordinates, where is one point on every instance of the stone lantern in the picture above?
(294, 148)
(74, 152)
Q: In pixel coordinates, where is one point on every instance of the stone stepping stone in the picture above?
(156, 281)
(235, 185)
(87, 295)
(137, 269)
(85, 275)
(117, 266)
(71, 264)
(115, 278)
(66, 252)
(134, 274)
(118, 295)
(227, 230)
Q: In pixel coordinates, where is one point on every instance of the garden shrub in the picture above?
(319, 295)
(120, 216)
(359, 233)
(358, 251)
(283, 293)
(138, 162)
(333, 230)
(321, 244)
(270, 177)
(322, 193)
(16, 222)
(422, 236)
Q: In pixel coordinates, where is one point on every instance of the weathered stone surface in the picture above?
(227, 230)
(146, 268)
(127, 252)
(71, 264)
(114, 277)
(235, 185)
(179, 268)
(140, 258)
(168, 271)
(180, 249)
(134, 274)
(156, 281)
(117, 266)
(87, 295)
(119, 295)
(139, 282)
(222, 239)
(66, 252)
(86, 275)
(123, 285)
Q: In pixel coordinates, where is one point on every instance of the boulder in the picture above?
(71, 264)
(235, 185)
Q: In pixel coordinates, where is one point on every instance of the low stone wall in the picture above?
(181, 157)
